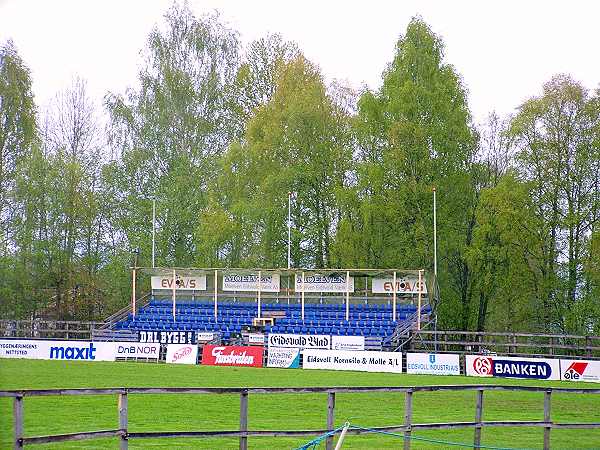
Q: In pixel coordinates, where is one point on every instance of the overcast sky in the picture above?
(504, 50)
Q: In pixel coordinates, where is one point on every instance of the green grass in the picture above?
(54, 415)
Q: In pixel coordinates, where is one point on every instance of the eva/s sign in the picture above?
(509, 367)
(220, 355)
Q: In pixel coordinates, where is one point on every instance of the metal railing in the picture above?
(516, 344)
(124, 435)
(48, 329)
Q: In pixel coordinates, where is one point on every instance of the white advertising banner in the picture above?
(356, 343)
(352, 360)
(324, 283)
(137, 350)
(63, 350)
(182, 353)
(283, 357)
(204, 336)
(299, 341)
(432, 364)
(510, 367)
(256, 338)
(403, 285)
(197, 283)
(578, 370)
(249, 282)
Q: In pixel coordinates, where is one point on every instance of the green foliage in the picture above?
(221, 137)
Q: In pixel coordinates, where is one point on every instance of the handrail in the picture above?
(243, 433)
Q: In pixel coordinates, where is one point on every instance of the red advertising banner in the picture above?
(220, 355)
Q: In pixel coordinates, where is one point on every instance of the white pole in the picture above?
(302, 296)
(153, 229)
(342, 436)
(173, 295)
(347, 295)
(434, 235)
(289, 249)
(394, 293)
(133, 308)
(420, 290)
(216, 287)
(259, 274)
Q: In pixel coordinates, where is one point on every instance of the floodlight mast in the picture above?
(289, 224)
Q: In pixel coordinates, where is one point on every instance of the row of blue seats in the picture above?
(227, 330)
(281, 306)
(307, 316)
(225, 311)
(283, 322)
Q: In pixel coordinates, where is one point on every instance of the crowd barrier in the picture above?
(308, 352)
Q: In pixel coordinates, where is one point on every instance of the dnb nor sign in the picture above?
(508, 367)
(137, 350)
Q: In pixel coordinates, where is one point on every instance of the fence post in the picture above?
(478, 418)
(123, 443)
(407, 418)
(18, 421)
(244, 419)
(548, 427)
(330, 418)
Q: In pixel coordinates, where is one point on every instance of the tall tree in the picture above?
(171, 131)
(413, 135)
(559, 155)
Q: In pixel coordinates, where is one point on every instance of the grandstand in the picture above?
(229, 302)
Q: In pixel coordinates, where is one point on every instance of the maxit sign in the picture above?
(509, 367)
(61, 350)
(432, 364)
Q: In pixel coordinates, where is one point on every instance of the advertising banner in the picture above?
(324, 283)
(510, 367)
(288, 358)
(249, 282)
(256, 338)
(167, 337)
(204, 336)
(63, 350)
(356, 343)
(182, 354)
(136, 350)
(352, 360)
(403, 285)
(432, 364)
(216, 355)
(578, 370)
(22, 348)
(197, 283)
(300, 341)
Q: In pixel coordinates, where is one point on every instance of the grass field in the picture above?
(54, 415)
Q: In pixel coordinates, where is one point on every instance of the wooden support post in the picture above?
(330, 419)
(419, 299)
(244, 419)
(174, 295)
(548, 427)
(478, 418)
(123, 444)
(18, 421)
(407, 418)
